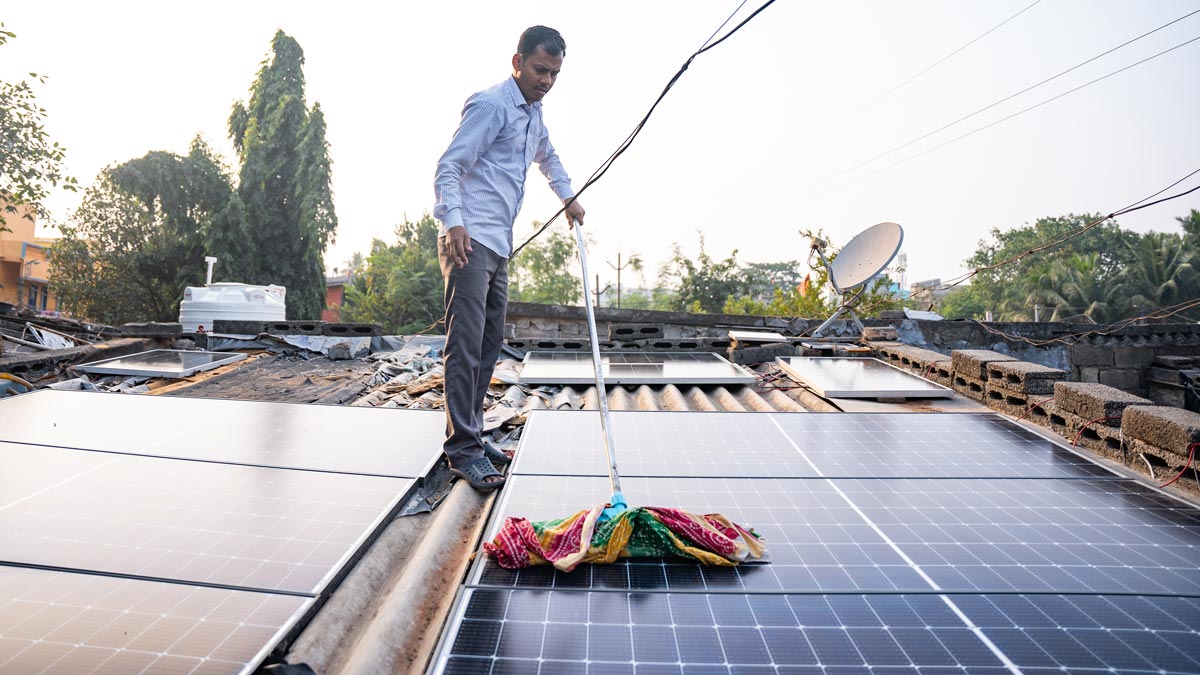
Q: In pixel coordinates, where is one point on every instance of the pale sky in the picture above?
(729, 152)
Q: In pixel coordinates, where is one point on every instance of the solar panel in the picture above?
(162, 363)
(59, 622)
(503, 631)
(838, 377)
(632, 368)
(401, 443)
(723, 444)
(999, 535)
(199, 522)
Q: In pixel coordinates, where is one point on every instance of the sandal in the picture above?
(495, 454)
(476, 472)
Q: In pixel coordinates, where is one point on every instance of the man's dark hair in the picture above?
(547, 38)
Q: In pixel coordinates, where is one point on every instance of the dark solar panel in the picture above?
(1101, 536)
(162, 363)
(717, 444)
(189, 521)
(402, 443)
(58, 622)
(563, 631)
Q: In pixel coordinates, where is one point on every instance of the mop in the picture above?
(606, 532)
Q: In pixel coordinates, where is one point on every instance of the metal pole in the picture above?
(601, 391)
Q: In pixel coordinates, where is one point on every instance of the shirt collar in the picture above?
(515, 96)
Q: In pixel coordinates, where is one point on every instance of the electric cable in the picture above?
(606, 164)
(905, 83)
(972, 132)
(1008, 98)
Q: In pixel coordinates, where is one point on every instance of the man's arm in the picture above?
(552, 168)
(480, 124)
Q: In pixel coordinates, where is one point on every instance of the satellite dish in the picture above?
(865, 256)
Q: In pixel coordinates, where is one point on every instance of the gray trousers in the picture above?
(476, 299)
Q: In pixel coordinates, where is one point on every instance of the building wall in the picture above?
(335, 294)
(24, 262)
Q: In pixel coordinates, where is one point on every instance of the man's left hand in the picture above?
(574, 214)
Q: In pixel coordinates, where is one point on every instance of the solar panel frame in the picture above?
(158, 362)
(632, 368)
(54, 621)
(268, 529)
(330, 438)
(816, 372)
(782, 445)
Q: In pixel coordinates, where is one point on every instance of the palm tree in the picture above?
(1163, 273)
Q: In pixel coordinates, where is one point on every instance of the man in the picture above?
(480, 184)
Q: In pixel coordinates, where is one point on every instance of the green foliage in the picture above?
(791, 302)
(138, 238)
(286, 199)
(963, 302)
(703, 284)
(30, 163)
(400, 285)
(541, 272)
(1164, 272)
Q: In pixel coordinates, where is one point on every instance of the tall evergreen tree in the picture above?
(284, 189)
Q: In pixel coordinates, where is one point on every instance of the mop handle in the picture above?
(601, 392)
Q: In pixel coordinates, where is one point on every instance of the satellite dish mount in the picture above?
(860, 261)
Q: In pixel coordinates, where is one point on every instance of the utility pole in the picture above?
(599, 290)
(618, 267)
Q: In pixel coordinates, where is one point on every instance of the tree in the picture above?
(541, 272)
(1006, 289)
(1164, 272)
(138, 238)
(30, 163)
(962, 302)
(400, 285)
(702, 285)
(285, 180)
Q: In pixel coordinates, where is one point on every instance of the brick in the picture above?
(1091, 355)
(1090, 374)
(1121, 378)
(239, 327)
(974, 362)
(1093, 400)
(352, 329)
(1171, 429)
(1030, 378)
(1169, 361)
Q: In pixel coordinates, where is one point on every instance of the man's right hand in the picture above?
(458, 245)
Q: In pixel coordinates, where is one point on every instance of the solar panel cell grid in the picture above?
(212, 523)
(57, 622)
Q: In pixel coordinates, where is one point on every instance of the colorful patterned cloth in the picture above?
(643, 532)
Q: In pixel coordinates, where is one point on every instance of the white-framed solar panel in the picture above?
(632, 368)
(176, 363)
(855, 377)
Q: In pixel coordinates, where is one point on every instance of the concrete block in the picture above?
(239, 327)
(1090, 355)
(352, 329)
(1023, 376)
(1129, 379)
(974, 362)
(971, 387)
(1166, 465)
(761, 354)
(1090, 374)
(1087, 433)
(1173, 395)
(152, 330)
(1133, 356)
(634, 331)
(1171, 429)
(877, 333)
(1093, 400)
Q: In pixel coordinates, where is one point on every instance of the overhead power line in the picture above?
(1005, 99)
(607, 164)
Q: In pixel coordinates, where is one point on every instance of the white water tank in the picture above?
(226, 300)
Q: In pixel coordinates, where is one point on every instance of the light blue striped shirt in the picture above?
(480, 180)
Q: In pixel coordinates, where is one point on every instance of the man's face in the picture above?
(535, 74)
